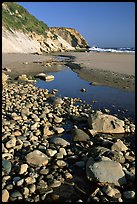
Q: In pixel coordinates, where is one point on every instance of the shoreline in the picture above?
(92, 67)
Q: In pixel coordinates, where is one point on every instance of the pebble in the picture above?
(11, 143)
(37, 158)
(23, 168)
(129, 194)
(6, 165)
(5, 195)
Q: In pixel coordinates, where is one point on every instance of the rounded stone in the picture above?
(5, 195)
(23, 168)
(6, 165)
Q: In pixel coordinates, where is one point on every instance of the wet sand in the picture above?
(111, 69)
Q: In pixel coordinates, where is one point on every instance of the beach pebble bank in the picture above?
(55, 150)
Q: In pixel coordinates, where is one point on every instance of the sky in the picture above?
(102, 24)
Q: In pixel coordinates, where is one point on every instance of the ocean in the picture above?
(114, 50)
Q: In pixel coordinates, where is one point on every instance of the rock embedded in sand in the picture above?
(37, 158)
(104, 123)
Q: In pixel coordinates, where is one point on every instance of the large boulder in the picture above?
(107, 171)
(104, 123)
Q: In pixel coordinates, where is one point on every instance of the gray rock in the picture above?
(37, 158)
(60, 141)
(129, 194)
(57, 101)
(119, 146)
(105, 171)
(105, 123)
(79, 135)
(15, 195)
(6, 165)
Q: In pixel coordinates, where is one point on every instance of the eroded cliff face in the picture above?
(23, 33)
(74, 38)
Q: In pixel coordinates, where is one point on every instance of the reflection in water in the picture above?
(69, 84)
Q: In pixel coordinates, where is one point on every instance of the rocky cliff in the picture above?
(22, 32)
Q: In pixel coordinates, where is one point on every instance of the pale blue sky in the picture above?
(104, 24)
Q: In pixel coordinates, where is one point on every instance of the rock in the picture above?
(22, 77)
(105, 171)
(116, 156)
(60, 141)
(49, 78)
(61, 163)
(6, 69)
(6, 165)
(79, 135)
(30, 180)
(57, 119)
(108, 190)
(59, 130)
(4, 78)
(51, 152)
(26, 192)
(63, 151)
(17, 133)
(34, 126)
(15, 195)
(57, 101)
(104, 123)
(42, 186)
(5, 195)
(11, 143)
(47, 132)
(23, 168)
(129, 194)
(68, 175)
(83, 90)
(41, 76)
(119, 146)
(37, 158)
(54, 183)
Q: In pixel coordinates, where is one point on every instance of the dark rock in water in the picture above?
(6, 165)
(83, 90)
(105, 171)
(79, 135)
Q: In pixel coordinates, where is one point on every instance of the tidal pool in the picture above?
(119, 102)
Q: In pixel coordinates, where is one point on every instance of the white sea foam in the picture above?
(117, 50)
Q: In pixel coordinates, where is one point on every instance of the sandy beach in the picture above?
(111, 69)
